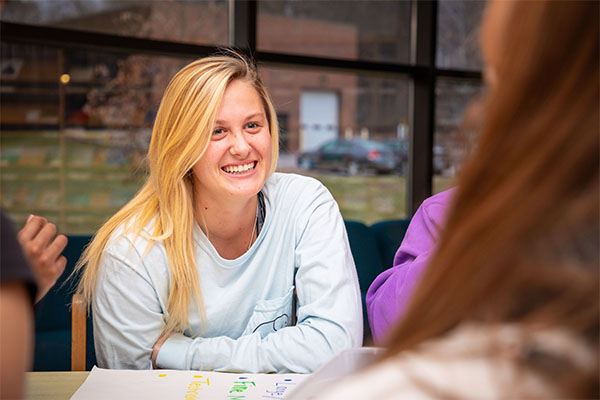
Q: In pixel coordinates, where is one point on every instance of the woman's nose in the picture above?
(239, 145)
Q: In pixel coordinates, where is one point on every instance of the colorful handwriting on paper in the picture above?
(279, 390)
(195, 386)
(240, 385)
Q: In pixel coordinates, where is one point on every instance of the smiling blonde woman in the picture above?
(199, 269)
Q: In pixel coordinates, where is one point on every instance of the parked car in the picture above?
(351, 156)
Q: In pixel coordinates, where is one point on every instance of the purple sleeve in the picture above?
(390, 292)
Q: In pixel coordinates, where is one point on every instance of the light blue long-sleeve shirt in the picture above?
(248, 301)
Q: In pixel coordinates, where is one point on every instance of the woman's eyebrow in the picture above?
(250, 116)
(256, 114)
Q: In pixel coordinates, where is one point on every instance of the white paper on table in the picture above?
(112, 384)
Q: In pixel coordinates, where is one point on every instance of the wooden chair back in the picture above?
(78, 333)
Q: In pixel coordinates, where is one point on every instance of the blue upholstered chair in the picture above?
(388, 235)
(373, 249)
(368, 263)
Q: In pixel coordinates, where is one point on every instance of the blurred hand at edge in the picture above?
(43, 248)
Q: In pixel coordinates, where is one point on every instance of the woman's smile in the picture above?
(239, 169)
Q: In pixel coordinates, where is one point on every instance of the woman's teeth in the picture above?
(238, 169)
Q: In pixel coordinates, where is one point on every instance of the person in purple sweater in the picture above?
(389, 294)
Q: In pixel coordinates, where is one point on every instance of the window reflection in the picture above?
(75, 130)
(458, 34)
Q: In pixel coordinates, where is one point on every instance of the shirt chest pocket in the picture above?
(271, 315)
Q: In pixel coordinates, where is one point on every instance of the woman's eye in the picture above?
(252, 125)
(218, 131)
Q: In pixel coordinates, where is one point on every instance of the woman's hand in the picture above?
(156, 349)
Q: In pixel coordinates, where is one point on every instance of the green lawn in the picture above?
(367, 198)
(372, 198)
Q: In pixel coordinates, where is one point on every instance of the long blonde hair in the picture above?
(180, 136)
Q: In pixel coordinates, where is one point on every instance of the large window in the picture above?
(349, 87)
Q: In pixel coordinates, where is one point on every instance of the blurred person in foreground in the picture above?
(509, 305)
(36, 246)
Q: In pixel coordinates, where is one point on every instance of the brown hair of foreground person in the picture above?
(521, 243)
